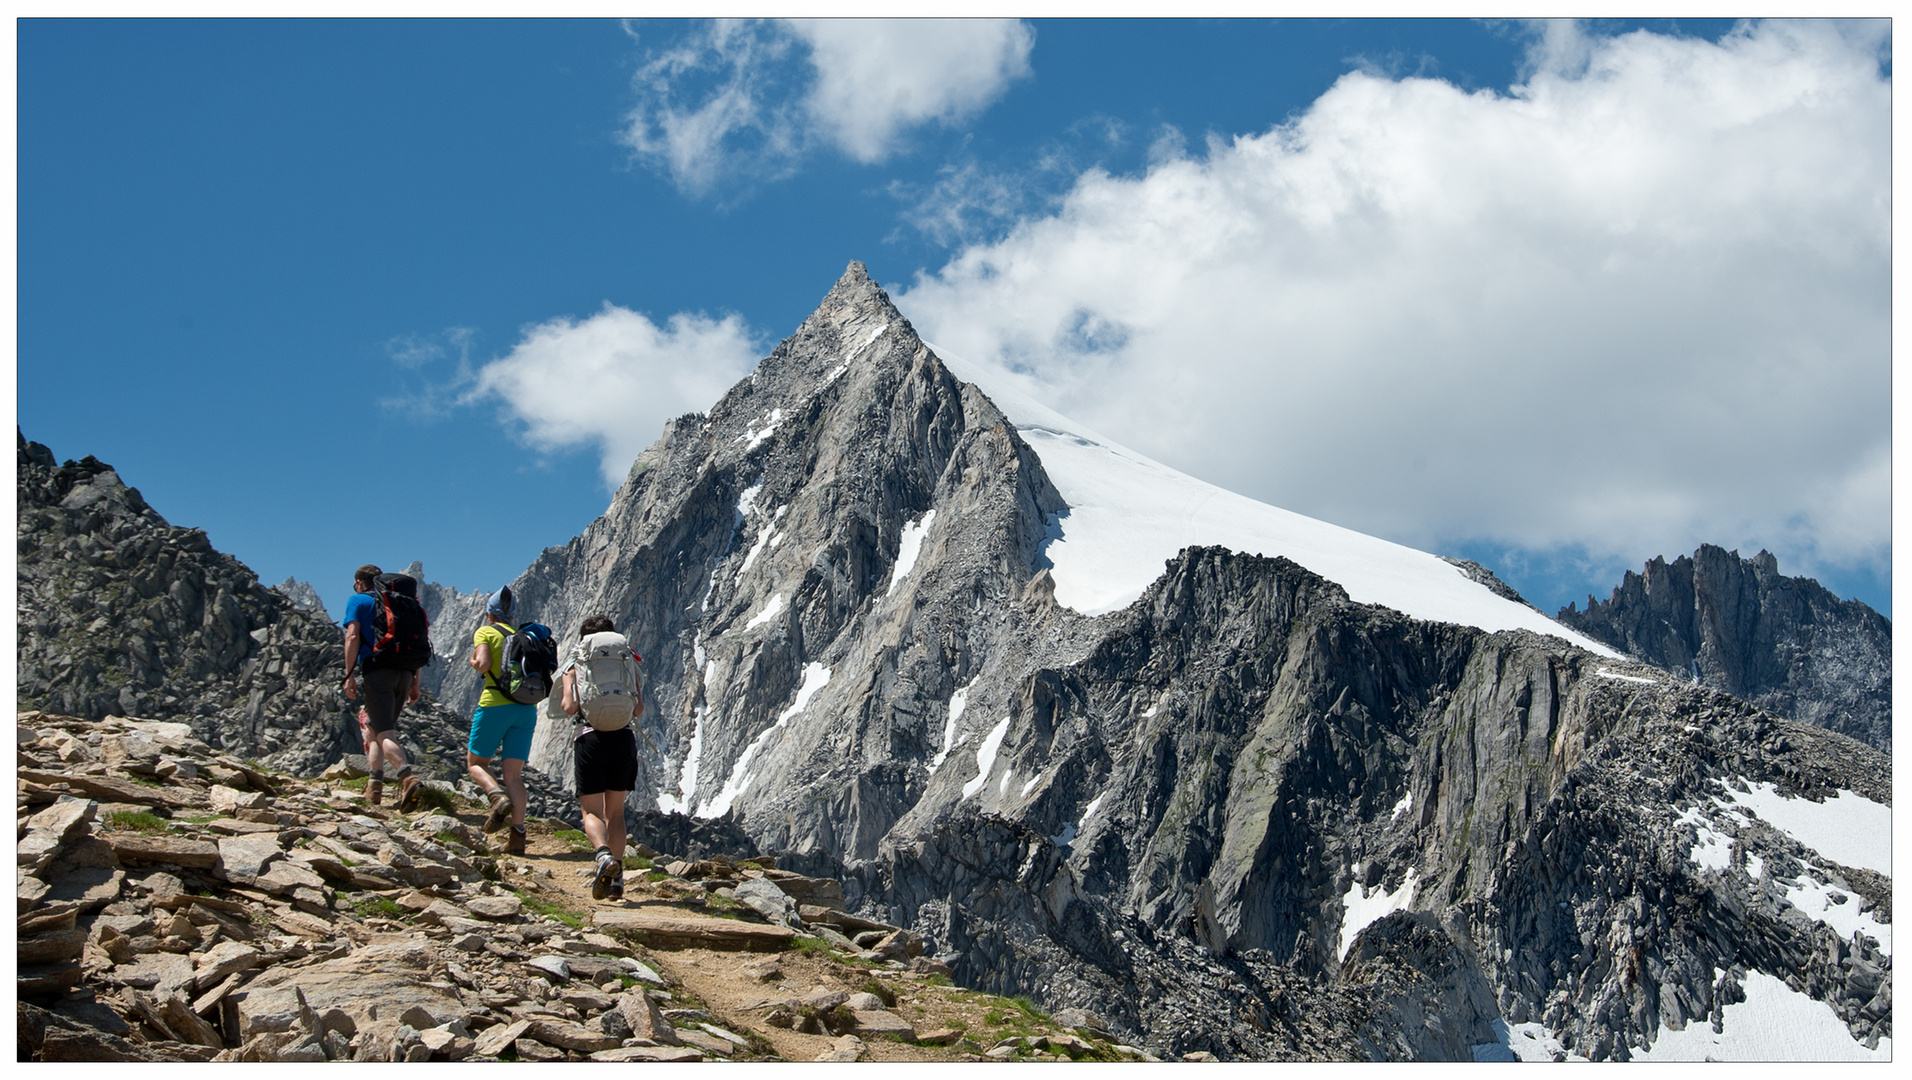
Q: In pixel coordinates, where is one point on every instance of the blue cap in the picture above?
(499, 606)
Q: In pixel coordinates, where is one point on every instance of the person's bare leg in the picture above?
(480, 775)
(592, 807)
(614, 818)
(514, 784)
(387, 744)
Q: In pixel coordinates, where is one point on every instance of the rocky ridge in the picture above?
(1784, 643)
(178, 904)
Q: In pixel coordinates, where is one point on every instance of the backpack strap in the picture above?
(498, 661)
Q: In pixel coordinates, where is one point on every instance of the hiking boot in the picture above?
(607, 872)
(515, 844)
(500, 814)
(408, 795)
(617, 885)
(374, 792)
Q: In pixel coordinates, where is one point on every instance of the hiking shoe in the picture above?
(515, 845)
(500, 814)
(607, 872)
(408, 795)
(374, 792)
(617, 885)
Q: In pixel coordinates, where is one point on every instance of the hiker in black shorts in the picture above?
(383, 690)
(599, 685)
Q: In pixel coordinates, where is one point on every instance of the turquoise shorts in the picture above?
(510, 725)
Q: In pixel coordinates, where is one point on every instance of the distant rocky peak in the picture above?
(302, 595)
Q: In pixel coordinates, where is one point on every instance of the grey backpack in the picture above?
(606, 683)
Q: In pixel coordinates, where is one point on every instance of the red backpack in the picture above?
(401, 635)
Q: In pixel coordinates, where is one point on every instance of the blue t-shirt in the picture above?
(359, 609)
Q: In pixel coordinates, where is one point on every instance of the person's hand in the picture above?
(411, 696)
(351, 689)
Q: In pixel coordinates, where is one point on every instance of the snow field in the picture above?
(1128, 515)
(1774, 1023)
(986, 757)
(957, 702)
(1363, 908)
(1849, 829)
(908, 547)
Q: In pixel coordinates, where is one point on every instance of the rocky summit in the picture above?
(1244, 817)
(1783, 643)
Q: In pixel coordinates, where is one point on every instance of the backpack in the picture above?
(530, 662)
(606, 683)
(401, 634)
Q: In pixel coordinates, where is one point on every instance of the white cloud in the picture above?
(745, 100)
(879, 77)
(1640, 302)
(615, 378)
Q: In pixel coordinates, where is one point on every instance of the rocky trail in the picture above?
(179, 904)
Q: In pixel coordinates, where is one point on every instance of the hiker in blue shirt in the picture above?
(383, 690)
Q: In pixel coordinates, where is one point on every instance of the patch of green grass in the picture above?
(815, 946)
(357, 784)
(546, 907)
(431, 798)
(448, 838)
(1029, 1010)
(656, 875)
(382, 907)
(881, 989)
(136, 820)
(995, 1018)
(148, 781)
(574, 839)
(636, 862)
(939, 980)
(199, 819)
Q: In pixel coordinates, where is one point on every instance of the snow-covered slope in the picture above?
(1129, 515)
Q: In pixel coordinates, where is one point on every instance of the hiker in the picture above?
(599, 685)
(500, 721)
(384, 688)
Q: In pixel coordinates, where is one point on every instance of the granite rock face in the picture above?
(1786, 644)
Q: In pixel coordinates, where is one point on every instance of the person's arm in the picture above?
(351, 657)
(481, 658)
(569, 697)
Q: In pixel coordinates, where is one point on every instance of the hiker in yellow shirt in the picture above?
(499, 721)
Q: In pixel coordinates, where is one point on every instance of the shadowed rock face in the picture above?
(1783, 643)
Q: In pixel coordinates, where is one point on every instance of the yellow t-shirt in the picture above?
(493, 634)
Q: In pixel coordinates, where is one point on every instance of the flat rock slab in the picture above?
(681, 931)
(114, 790)
(496, 907)
(171, 850)
(90, 887)
(246, 857)
(650, 1053)
(883, 1022)
(391, 976)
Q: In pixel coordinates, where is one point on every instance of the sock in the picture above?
(517, 829)
(603, 853)
(378, 774)
(404, 772)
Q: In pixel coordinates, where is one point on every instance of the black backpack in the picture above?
(401, 634)
(530, 664)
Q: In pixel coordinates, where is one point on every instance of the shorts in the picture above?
(607, 760)
(510, 725)
(383, 691)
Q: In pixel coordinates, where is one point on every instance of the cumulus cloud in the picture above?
(1637, 302)
(745, 100)
(614, 379)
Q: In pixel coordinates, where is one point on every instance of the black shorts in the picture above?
(382, 691)
(607, 760)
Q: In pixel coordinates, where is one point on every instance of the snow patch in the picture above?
(1755, 866)
(1774, 1023)
(986, 757)
(907, 548)
(1838, 909)
(769, 612)
(1523, 1042)
(1030, 786)
(1402, 807)
(756, 549)
(687, 775)
(1711, 850)
(815, 678)
(1128, 515)
(1607, 674)
(957, 702)
(752, 438)
(868, 341)
(1094, 805)
(1849, 829)
(1364, 908)
(1065, 837)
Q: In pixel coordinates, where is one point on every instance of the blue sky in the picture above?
(1555, 297)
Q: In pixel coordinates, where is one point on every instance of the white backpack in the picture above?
(606, 681)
